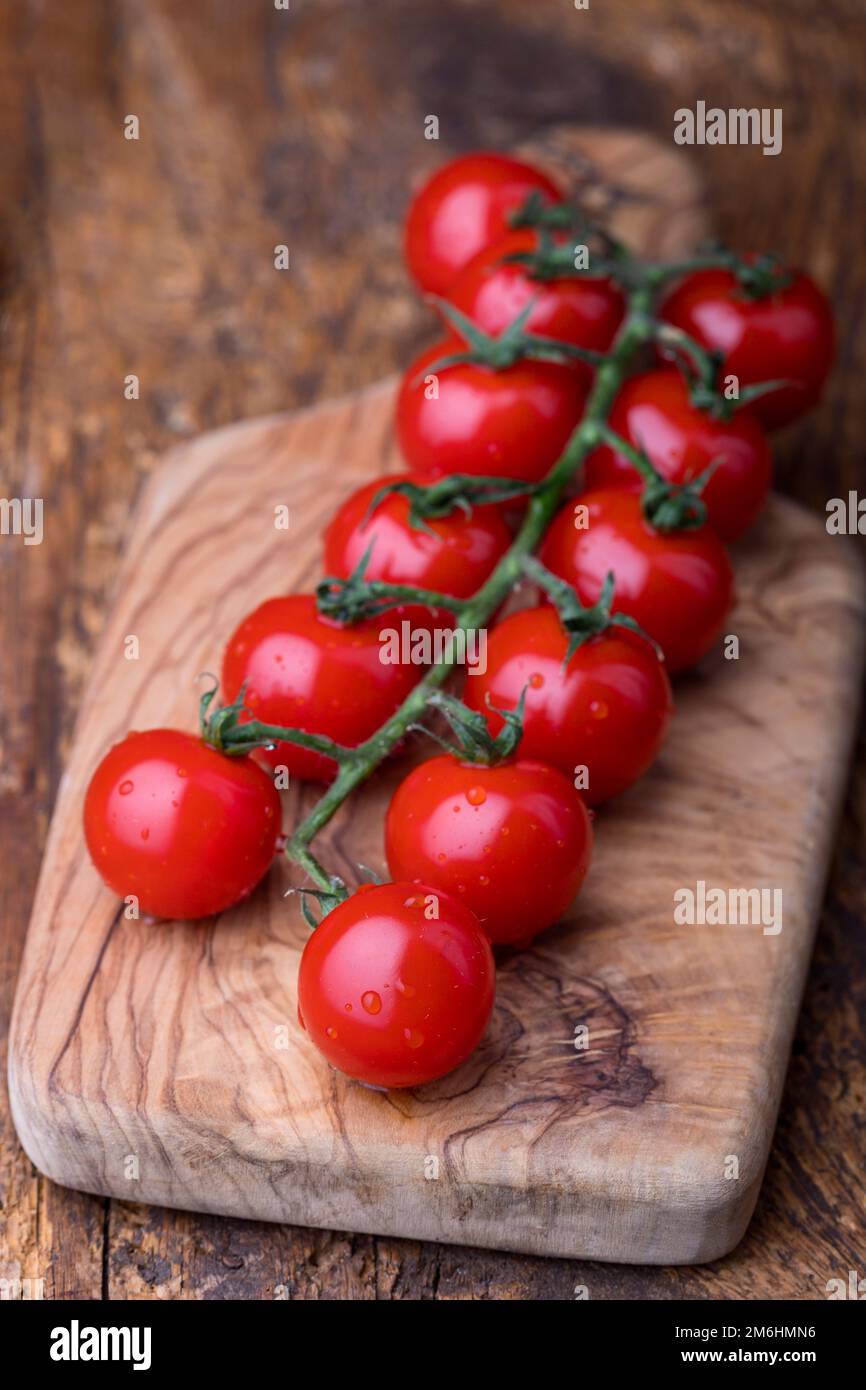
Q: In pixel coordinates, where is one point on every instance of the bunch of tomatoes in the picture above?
(488, 841)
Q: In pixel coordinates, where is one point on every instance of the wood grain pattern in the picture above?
(136, 1040)
(111, 263)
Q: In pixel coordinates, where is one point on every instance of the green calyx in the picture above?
(539, 211)
(583, 622)
(227, 732)
(473, 741)
(352, 600)
(721, 407)
(433, 501)
(325, 899)
(666, 506)
(554, 258)
(512, 345)
(700, 370)
(761, 277)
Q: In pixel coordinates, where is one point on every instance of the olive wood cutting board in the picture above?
(622, 1103)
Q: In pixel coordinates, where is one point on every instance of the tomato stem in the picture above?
(360, 763)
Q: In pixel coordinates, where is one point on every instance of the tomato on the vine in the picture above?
(462, 208)
(305, 671)
(582, 310)
(511, 840)
(396, 985)
(607, 710)
(184, 829)
(653, 411)
(678, 585)
(509, 423)
(784, 336)
(451, 555)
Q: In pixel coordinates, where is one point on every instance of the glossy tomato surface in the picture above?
(653, 411)
(461, 209)
(184, 829)
(306, 672)
(580, 309)
(396, 985)
(455, 559)
(513, 423)
(677, 585)
(786, 336)
(513, 842)
(607, 711)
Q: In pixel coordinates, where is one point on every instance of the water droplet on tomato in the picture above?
(407, 991)
(476, 796)
(536, 680)
(371, 1002)
(599, 709)
(483, 880)
(126, 787)
(414, 1037)
(182, 772)
(331, 1032)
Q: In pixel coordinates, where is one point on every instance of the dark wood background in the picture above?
(156, 258)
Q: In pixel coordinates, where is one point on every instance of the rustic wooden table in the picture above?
(154, 258)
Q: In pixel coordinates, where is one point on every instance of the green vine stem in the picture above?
(355, 765)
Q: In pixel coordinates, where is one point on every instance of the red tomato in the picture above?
(677, 585)
(512, 841)
(582, 310)
(396, 985)
(512, 423)
(307, 672)
(455, 560)
(186, 830)
(653, 410)
(786, 336)
(607, 711)
(463, 208)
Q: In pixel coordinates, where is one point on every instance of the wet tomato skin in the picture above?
(512, 841)
(306, 672)
(607, 711)
(512, 423)
(653, 411)
(392, 995)
(455, 559)
(788, 335)
(677, 585)
(583, 310)
(462, 208)
(186, 830)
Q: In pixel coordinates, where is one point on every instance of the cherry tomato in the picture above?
(186, 830)
(512, 423)
(606, 711)
(307, 672)
(396, 985)
(786, 336)
(678, 585)
(463, 208)
(512, 841)
(580, 309)
(455, 559)
(653, 411)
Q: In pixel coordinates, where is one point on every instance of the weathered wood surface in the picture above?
(107, 274)
(175, 1048)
